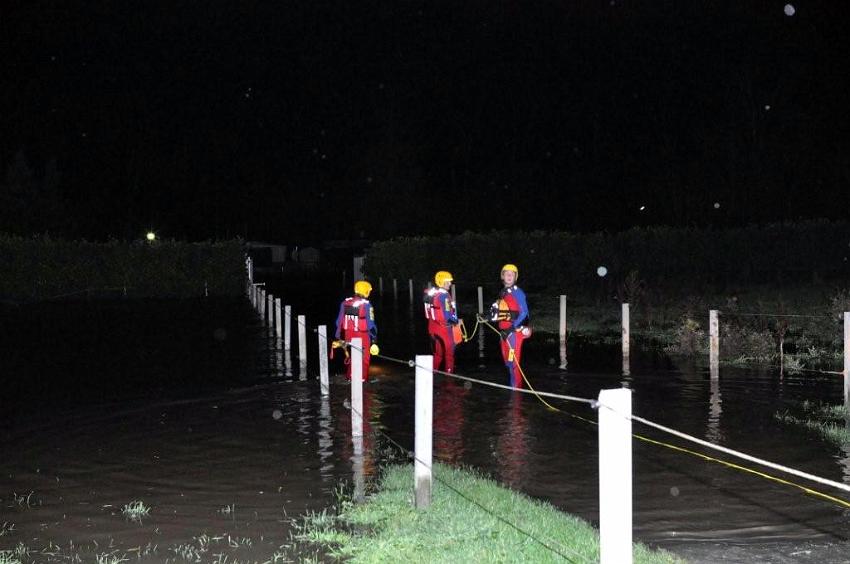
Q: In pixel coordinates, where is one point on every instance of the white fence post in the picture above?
(615, 476)
(480, 300)
(847, 359)
(381, 285)
(270, 309)
(356, 387)
(302, 343)
(287, 328)
(423, 439)
(395, 289)
(278, 327)
(454, 293)
(562, 331)
(323, 360)
(713, 343)
(626, 369)
(261, 301)
(410, 289)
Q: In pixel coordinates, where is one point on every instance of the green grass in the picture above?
(830, 421)
(471, 519)
(135, 510)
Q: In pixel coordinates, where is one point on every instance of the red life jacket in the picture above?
(433, 307)
(354, 314)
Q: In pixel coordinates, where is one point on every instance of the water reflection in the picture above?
(278, 366)
(359, 449)
(714, 411)
(287, 354)
(512, 443)
(563, 354)
(326, 453)
(448, 420)
(481, 348)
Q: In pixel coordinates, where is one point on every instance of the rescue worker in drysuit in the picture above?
(356, 319)
(510, 313)
(441, 313)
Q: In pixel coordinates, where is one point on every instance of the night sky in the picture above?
(306, 121)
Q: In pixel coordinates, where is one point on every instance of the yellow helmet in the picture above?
(512, 268)
(363, 288)
(443, 276)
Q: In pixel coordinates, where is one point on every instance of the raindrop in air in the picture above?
(717, 205)
(601, 271)
(790, 10)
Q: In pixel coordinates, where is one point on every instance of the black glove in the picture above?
(505, 333)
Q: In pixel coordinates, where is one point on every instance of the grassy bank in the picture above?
(471, 519)
(830, 421)
(799, 326)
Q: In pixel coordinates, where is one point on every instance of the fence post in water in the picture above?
(626, 337)
(847, 359)
(356, 387)
(323, 360)
(270, 309)
(302, 341)
(262, 304)
(287, 327)
(562, 331)
(454, 293)
(395, 290)
(278, 322)
(381, 285)
(410, 289)
(713, 343)
(615, 476)
(423, 438)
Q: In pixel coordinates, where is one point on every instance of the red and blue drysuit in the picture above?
(441, 313)
(356, 319)
(510, 313)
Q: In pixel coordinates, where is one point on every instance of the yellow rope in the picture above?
(726, 463)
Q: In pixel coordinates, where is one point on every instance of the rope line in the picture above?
(781, 468)
(594, 403)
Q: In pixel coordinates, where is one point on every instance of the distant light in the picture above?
(790, 10)
(601, 271)
(151, 236)
(717, 205)
(642, 208)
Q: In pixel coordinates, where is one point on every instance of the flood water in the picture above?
(193, 408)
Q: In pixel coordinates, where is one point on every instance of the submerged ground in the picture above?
(194, 409)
